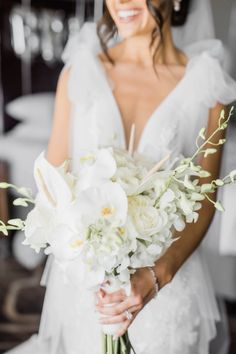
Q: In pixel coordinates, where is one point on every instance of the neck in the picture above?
(137, 50)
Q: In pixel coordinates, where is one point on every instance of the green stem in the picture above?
(209, 199)
(110, 345)
(123, 346)
(128, 343)
(212, 136)
(214, 144)
(116, 346)
(104, 343)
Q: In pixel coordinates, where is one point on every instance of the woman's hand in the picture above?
(142, 291)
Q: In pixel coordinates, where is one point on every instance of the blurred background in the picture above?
(33, 34)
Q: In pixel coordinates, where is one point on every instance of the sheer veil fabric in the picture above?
(199, 25)
(182, 319)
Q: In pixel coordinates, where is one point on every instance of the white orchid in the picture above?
(95, 168)
(108, 202)
(54, 211)
(54, 186)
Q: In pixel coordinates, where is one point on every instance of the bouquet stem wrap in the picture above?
(112, 345)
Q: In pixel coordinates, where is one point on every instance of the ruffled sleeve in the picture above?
(79, 56)
(86, 38)
(212, 83)
(222, 88)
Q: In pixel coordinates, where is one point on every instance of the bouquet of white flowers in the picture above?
(118, 212)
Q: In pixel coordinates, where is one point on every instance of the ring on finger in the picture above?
(128, 315)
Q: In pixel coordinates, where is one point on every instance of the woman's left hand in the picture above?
(142, 291)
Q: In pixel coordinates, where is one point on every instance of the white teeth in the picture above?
(127, 13)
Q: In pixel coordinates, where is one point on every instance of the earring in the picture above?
(177, 5)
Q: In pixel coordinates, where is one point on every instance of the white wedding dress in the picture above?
(181, 320)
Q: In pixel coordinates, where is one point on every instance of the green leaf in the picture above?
(197, 196)
(20, 202)
(207, 188)
(223, 126)
(195, 182)
(194, 167)
(188, 184)
(222, 114)
(16, 222)
(222, 141)
(204, 174)
(181, 168)
(202, 133)
(186, 161)
(219, 206)
(219, 182)
(3, 229)
(9, 227)
(210, 151)
(5, 185)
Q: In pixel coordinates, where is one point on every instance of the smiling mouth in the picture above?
(126, 16)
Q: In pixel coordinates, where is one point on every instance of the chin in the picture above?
(130, 32)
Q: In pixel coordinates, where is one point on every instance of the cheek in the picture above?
(110, 4)
(148, 21)
(146, 24)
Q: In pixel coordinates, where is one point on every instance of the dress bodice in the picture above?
(173, 126)
(177, 120)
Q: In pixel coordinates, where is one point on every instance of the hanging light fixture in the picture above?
(24, 40)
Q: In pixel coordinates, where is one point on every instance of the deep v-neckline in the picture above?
(108, 83)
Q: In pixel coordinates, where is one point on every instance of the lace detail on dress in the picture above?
(179, 325)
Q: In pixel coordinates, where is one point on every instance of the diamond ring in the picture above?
(128, 315)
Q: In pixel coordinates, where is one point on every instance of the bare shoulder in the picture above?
(59, 141)
(114, 53)
(63, 79)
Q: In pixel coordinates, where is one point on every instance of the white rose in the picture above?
(147, 219)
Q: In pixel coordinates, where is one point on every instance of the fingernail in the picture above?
(101, 294)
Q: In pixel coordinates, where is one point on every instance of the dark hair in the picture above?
(106, 27)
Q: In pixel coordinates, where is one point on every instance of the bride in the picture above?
(108, 84)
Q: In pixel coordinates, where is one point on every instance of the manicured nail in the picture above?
(101, 294)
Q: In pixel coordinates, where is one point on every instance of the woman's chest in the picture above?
(138, 93)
